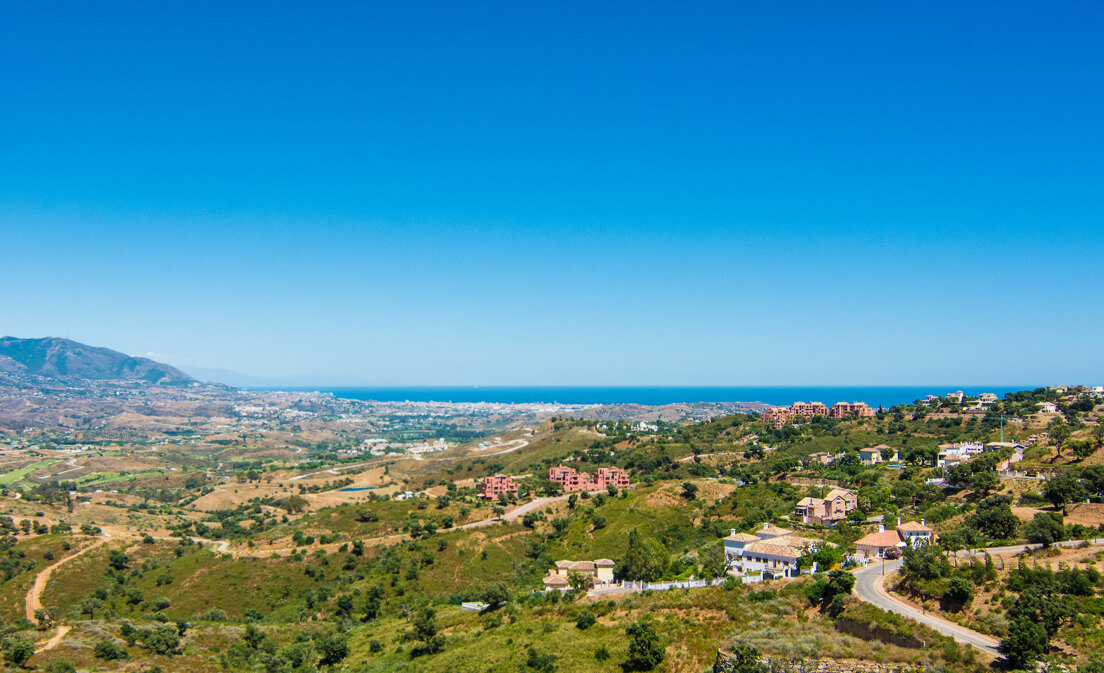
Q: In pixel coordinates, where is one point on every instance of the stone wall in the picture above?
(726, 664)
(859, 629)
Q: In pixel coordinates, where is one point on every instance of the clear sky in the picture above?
(514, 193)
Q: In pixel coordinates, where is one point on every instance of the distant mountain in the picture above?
(64, 359)
(239, 380)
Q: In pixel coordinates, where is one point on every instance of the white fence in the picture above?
(666, 586)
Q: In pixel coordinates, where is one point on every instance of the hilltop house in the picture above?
(832, 508)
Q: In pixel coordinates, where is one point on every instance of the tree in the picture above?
(924, 563)
(840, 583)
(253, 636)
(164, 639)
(713, 562)
(585, 620)
(541, 663)
(295, 504)
(1026, 640)
(689, 490)
(1059, 434)
(332, 649)
(645, 648)
(1045, 529)
(17, 650)
(994, 517)
(984, 481)
(1062, 489)
(959, 592)
(495, 593)
(579, 581)
(425, 629)
(118, 560)
(645, 559)
(108, 650)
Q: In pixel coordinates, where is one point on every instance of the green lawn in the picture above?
(16, 475)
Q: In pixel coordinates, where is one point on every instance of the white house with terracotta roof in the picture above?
(876, 544)
(909, 534)
(915, 534)
(598, 572)
(772, 551)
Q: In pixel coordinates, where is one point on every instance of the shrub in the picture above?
(585, 620)
(108, 650)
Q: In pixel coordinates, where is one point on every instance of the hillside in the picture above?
(52, 357)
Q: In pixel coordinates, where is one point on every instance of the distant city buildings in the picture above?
(777, 417)
(572, 480)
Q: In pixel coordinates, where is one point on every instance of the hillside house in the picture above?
(772, 551)
(827, 511)
(915, 534)
(597, 572)
(909, 534)
(871, 456)
(1047, 407)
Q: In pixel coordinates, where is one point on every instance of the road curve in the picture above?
(868, 587)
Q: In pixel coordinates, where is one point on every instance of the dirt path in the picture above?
(521, 510)
(34, 596)
(53, 642)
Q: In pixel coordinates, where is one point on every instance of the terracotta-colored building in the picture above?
(612, 475)
(777, 417)
(844, 409)
(572, 480)
(492, 487)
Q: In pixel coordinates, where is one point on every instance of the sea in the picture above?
(875, 396)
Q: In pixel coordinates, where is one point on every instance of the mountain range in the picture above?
(56, 358)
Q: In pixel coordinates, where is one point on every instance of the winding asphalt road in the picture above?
(869, 587)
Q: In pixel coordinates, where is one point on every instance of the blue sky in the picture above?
(506, 193)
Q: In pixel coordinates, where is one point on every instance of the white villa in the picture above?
(772, 551)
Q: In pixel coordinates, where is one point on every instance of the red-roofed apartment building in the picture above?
(492, 487)
(572, 480)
